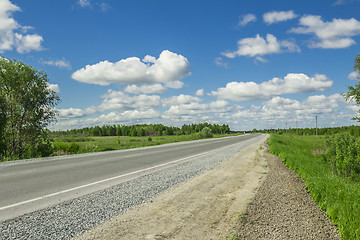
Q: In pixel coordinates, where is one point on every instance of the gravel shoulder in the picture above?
(283, 209)
(252, 195)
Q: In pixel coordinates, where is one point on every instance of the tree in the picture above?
(354, 92)
(28, 108)
(2, 124)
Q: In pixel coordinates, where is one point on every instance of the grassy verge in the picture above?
(99, 144)
(338, 196)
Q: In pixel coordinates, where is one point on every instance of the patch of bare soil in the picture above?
(282, 209)
(205, 207)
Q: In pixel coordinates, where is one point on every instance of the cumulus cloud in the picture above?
(342, 2)
(54, 87)
(125, 116)
(169, 67)
(84, 3)
(111, 118)
(181, 99)
(291, 83)
(28, 43)
(334, 34)
(57, 63)
(175, 84)
(275, 17)
(245, 19)
(117, 100)
(220, 62)
(353, 75)
(200, 93)
(192, 108)
(278, 111)
(70, 113)
(258, 46)
(12, 33)
(101, 6)
(146, 88)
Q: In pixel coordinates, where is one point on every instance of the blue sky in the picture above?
(249, 64)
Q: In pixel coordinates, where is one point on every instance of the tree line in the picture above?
(142, 130)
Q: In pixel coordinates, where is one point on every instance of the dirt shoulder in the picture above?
(215, 205)
(282, 209)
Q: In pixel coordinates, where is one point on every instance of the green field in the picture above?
(338, 195)
(73, 145)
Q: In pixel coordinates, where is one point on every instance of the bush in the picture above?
(74, 147)
(67, 148)
(205, 133)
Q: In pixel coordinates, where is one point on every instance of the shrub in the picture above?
(67, 148)
(74, 147)
(205, 133)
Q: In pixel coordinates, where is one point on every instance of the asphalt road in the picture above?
(27, 186)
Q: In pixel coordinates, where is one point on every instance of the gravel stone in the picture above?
(283, 209)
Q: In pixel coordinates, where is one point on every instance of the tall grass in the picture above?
(339, 196)
(344, 155)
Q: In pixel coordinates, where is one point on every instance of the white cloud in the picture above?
(275, 17)
(54, 87)
(278, 112)
(177, 84)
(57, 63)
(334, 34)
(353, 107)
(10, 38)
(245, 19)
(104, 6)
(101, 6)
(125, 116)
(27, 43)
(258, 46)
(180, 100)
(70, 113)
(342, 2)
(129, 117)
(353, 75)
(117, 100)
(156, 88)
(219, 62)
(200, 93)
(292, 83)
(169, 67)
(84, 3)
(196, 109)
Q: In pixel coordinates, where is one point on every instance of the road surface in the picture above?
(27, 186)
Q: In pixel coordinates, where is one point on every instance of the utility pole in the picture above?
(316, 117)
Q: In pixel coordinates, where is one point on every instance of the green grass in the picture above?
(99, 144)
(338, 196)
